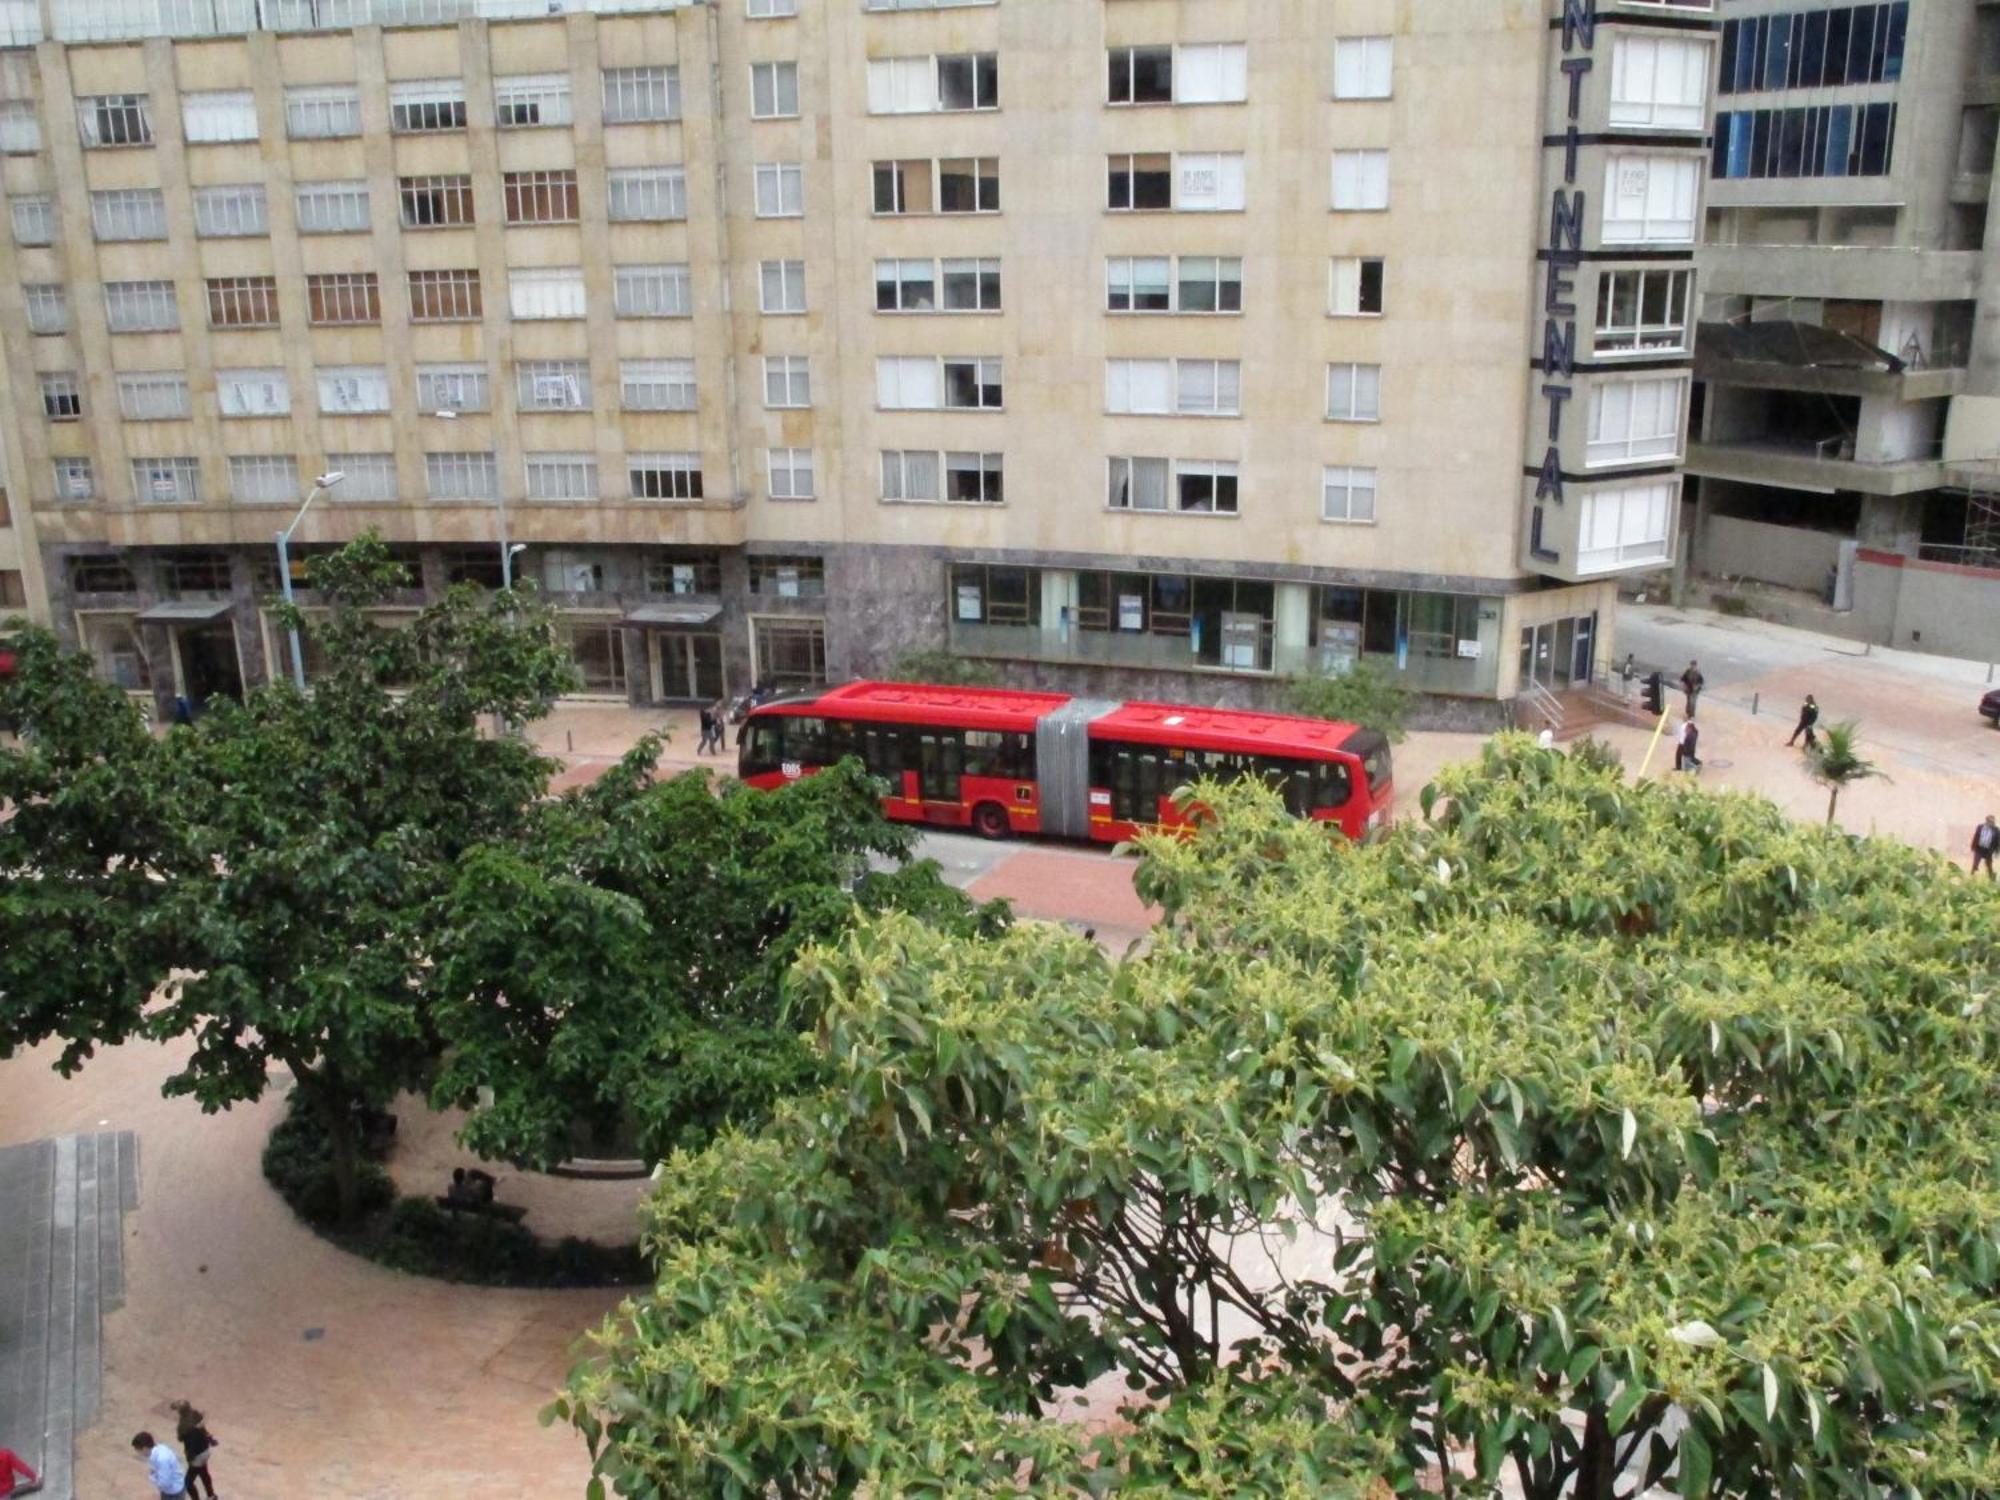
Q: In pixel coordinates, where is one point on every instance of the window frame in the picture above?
(769, 81)
(1653, 446)
(792, 469)
(641, 83)
(675, 378)
(159, 296)
(1363, 379)
(228, 118)
(790, 282)
(778, 174)
(129, 114)
(1364, 67)
(139, 390)
(559, 477)
(337, 104)
(427, 106)
(655, 194)
(1361, 263)
(677, 470)
(1350, 490)
(435, 201)
(1361, 178)
(533, 101)
(543, 195)
(673, 280)
(450, 294)
(790, 377)
(1615, 340)
(219, 211)
(367, 380)
(343, 299)
(468, 378)
(334, 191)
(474, 475)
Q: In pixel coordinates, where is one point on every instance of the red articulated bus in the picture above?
(1002, 762)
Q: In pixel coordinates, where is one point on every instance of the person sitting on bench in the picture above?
(470, 1187)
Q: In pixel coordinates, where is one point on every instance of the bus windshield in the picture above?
(1372, 750)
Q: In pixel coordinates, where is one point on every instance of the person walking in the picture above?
(1985, 844)
(718, 711)
(707, 730)
(197, 1443)
(1808, 717)
(12, 1467)
(163, 1465)
(1690, 744)
(1680, 744)
(1627, 670)
(1691, 684)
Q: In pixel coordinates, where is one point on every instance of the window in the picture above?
(1621, 528)
(1362, 67)
(1353, 393)
(787, 381)
(971, 285)
(128, 214)
(74, 480)
(921, 85)
(531, 99)
(166, 481)
(1202, 488)
(219, 115)
(1208, 387)
(903, 187)
(115, 120)
(553, 384)
(1211, 73)
(1357, 286)
(252, 393)
(968, 185)
(426, 105)
(1138, 283)
(1139, 387)
(1838, 140)
(1642, 312)
(909, 383)
(370, 476)
(635, 94)
(905, 286)
(263, 480)
(1140, 75)
(972, 384)
(1139, 483)
(196, 573)
(767, 10)
(1141, 182)
(149, 306)
(1209, 182)
(452, 388)
(34, 219)
(554, 292)
(671, 571)
(101, 574)
(780, 190)
(969, 81)
(912, 474)
(790, 473)
(662, 291)
(789, 652)
(657, 384)
(20, 128)
(48, 308)
(332, 207)
(461, 476)
(1632, 421)
(973, 479)
(781, 286)
(665, 476)
(1209, 284)
(322, 113)
(343, 297)
(1360, 181)
(62, 398)
(540, 197)
(774, 90)
(1821, 48)
(641, 194)
(348, 390)
(153, 396)
(562, 476)
(1650, 199)
(230, 211)
(597, 648)
(434, 202)
(788, 576)
(445, 297)
(1659, 82)
(1347, 494)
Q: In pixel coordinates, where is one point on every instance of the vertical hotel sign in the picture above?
(1564, 252)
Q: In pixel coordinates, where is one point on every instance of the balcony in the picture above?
(1826, 467)
(1788, 356)
(1860, 273)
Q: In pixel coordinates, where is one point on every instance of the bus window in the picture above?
(882, 750)
(1336, 785)
(1372, 750)
(938, 768)
(806, 742)
(765, 749)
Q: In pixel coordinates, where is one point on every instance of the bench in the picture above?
(512, 1213)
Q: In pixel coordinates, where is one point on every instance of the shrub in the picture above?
(1598, 755)
(298, 1163)
(945, 669)
(1365, 694)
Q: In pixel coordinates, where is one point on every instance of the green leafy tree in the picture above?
(1579, 1136)
(1367, 694)
(1836, 763)
(945, 668)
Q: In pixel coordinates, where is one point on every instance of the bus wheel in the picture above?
(989, 820)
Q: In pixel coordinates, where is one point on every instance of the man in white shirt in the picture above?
(163, 1465)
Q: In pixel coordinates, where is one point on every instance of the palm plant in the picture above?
(1835, 763)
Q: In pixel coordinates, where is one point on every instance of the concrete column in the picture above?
(378, 152)
(1892, 523)
(587, 133)
(490, 237)
(1291, 627)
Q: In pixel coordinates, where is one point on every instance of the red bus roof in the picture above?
(920, 703)
(1221, 729)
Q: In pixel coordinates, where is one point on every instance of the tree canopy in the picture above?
(1588, 1135)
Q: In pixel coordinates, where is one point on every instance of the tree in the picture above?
(1836, 763)
(1579, 1135)
(946, 669)
(1365, 694)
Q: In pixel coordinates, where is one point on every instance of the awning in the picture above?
(185, 611)
(672, 614)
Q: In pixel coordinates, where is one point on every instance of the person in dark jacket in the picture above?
(1691, 684)
(1985, 843)
(197, 1443)
(707, 730)
(1808, 717)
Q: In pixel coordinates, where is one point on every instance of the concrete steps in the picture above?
(62, 1265)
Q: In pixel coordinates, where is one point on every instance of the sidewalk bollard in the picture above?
(1755, 699)
(569, 739)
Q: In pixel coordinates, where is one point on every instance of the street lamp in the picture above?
(507, 553)
(321, 485)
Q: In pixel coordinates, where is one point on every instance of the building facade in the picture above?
(1847, 436)
(1151, 346)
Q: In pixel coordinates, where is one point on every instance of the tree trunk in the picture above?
(343, 1139)
(1832, 801)
(1597, 1465)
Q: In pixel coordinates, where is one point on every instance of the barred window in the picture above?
(34, 219)
(349, 389)
(540, 197)
(369, 476)
(551, 292)
(332, 207)
(445, 296)
(642, 194)
(664, 476)
(531, 99)
(452, 388)
(322, 113)
(780, 190)
(115, 120)
(461, 476)
(635, 94)
(147, 306)
(662, 291)
(252, 393)
(562, 476)
(230, 211)
(787, 381)
(343, 297)
(128, 214)
(187, 573)
(242, 302)
(261, 479)
(20, 128)
(154, 396)
(166, 481)
(427, 104)
(74, 479)
(433, 202)
(48, 308)
(657, 384)
(219, 115)
(782, 286)
(790, 472)
(553, 384)
(103, 573)
(62, 397)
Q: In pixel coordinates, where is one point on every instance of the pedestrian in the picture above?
(1680, 743)
(1691, 684)
(1808, 717)
(197, 1442)
(1627, 670)
(707, 730)
(1985, 843)
(1690, 742)
(163, 1466)
(12, 1467)
(718, 712)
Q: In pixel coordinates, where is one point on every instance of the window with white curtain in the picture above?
(20, 128)
(424, 105)
(154, 396)
(771, 10)
(1650, 198)
(1360, 181)
(1357, 286)
(1636, 421)
(34, 217)
(645, 194)
(141, 307)
(1138, 483)
(332, 207)
(1208, 182)
(1362, 67)
(553, 384)
(231, 211)
(780, 190)
(263, 479)
(1208, 387)
(787, 381)
(452, 388)
(632, 95)
(653, 291)
(47, 307)
(253, 393)
(348, 390)
(912, 474)
(901, 85)
(548, 292)
(370, 477)
(1659, 82)
(909, 383)
(1211, 73)
(1623, 528)
(781, 286)
(461, 476)
(531, 99)
(789, 473)
(1139, 387)
(219, 115)
(1353, 393)
(774, 90)
(1347, 494)
(657, 385)
(128, 214)
(561, 476)
(322, 112)
(166, 481)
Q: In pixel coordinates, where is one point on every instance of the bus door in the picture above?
(940, 763)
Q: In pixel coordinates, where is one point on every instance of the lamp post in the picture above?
(500, 510)
(321, 485)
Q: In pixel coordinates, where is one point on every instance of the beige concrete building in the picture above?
(1151, 346)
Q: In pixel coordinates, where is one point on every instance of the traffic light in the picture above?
(1656, 694)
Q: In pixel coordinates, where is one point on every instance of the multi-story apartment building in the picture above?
(1156, 345)
(1847, 435)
